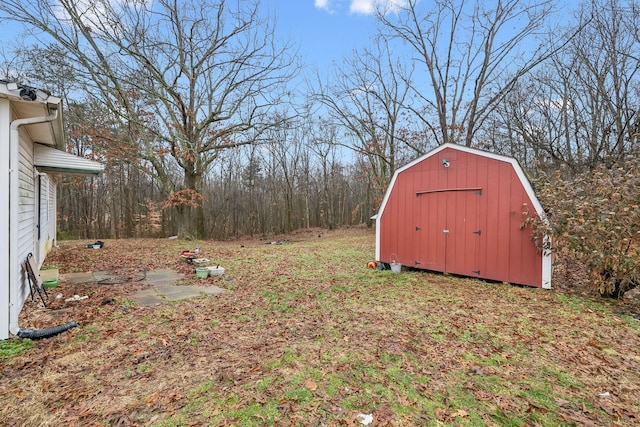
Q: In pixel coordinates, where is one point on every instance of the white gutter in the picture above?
(15, 305)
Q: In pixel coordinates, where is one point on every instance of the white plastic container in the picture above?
(396, 267)
(216, 271)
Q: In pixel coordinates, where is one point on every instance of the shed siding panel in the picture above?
(503, 260)
(405, 236)
(412, 215)
(390, 222)
(482, 181)
(493, 231)
(518, 238)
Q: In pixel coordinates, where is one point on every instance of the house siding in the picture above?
(47, 216)
(5, 276)
(23, 122)
(26, 212)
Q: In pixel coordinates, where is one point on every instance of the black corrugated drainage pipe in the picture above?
(35, 334)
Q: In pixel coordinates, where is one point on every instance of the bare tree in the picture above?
(367, 97)
(581, 108)
(471, 54)
(188, 78)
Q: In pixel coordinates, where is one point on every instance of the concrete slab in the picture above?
(163, 275)
(75, 278)
(149, 300)
(177, 296)
(208, 289)
(163, 286)
(85, 277)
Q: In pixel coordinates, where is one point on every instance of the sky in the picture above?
(324, 30)
(327, 30)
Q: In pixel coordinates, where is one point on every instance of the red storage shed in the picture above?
(460, 210)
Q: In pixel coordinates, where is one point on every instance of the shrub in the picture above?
(595, 216)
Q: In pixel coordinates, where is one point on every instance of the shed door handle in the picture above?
(445, 231)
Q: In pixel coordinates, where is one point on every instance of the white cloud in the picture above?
(369, 7)
(321, 4)
(95, 15)
(365, 7)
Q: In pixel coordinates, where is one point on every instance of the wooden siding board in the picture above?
(402, 223)
(440, 206)
(392, 220)
(531, 267)
(455, 204)
(481, 180)
(413, 218)
(472, 180)
(404, 215)
(410, 213)
(466, 250)
(493, 225)
(503, 259)
(516, 242)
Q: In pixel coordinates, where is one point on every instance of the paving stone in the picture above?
(162, 286)
(149, 300)
(183, 294)
(76, 278)
(209, 289)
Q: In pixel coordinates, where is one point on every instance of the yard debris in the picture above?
(99, 244)
(605, 394)
(365, 419)
(190, 254)
(478, 371)
(632, 294)
(76, 297)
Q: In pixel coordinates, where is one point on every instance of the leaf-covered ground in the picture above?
(306, 335)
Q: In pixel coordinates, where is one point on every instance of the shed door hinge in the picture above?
(479, 192)
(418, 228)
(479, 232)
(476, 271)
(417, 262)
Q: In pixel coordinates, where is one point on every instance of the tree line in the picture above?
(210, 125)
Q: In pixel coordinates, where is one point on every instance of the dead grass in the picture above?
(307, 335)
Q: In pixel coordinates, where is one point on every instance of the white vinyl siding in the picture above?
(47, 215)
(26, 211)
(5, 275)
(52, 220)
